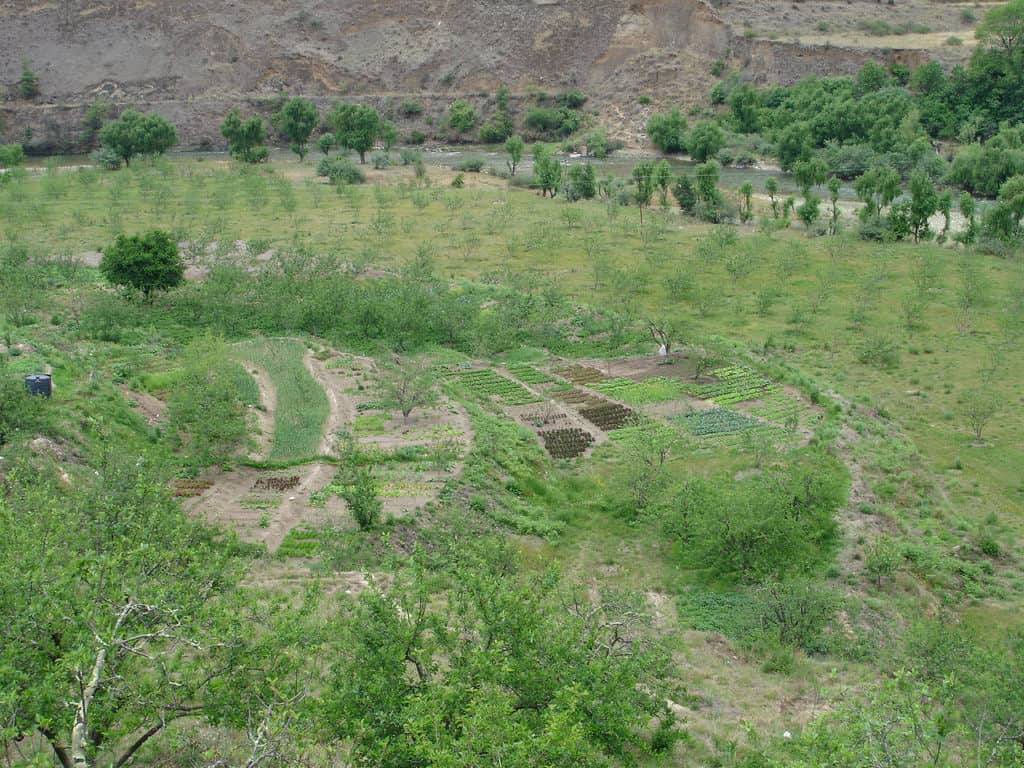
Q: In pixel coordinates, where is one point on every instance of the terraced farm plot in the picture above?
(607, 415)
(736, 384)
(657, 389)
(782, 408)
(580, 374)
(567, 443)
(529, 374)
(716, 421)
(486, 383)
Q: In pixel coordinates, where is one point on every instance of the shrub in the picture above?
(409, 156)
(667, 131)
(571, 99)
(340, 170)
(410, 108)
(11, 155)
(363, 499)
(416, 138)
(470, 165)
(380, 160)
(106, 158)
(461, 116)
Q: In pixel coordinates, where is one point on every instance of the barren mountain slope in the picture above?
(193, 60)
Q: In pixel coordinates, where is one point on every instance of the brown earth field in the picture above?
(193, 61)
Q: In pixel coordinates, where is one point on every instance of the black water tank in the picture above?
(39, 384)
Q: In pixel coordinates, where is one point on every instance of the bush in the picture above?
(106, 158)
(571, 99)
(409, 156)
(461, 116)
(470, 165)
(410, 108)
(549, 122)
(11, 155)
(416, 138)
(363, 499)
(667, 131)
(380, 160)
(340, 170)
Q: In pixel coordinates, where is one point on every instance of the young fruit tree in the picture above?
(409, 384)
(296, 121)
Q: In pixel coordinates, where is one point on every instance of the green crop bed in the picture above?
(716, 421)
(658, 389)
(529, 374)
(736, 384)
(486, 383)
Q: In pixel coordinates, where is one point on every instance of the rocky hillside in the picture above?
(193, 60)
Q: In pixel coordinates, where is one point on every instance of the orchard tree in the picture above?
(295, 121)
(924, 201)
(746, 192)
(547, 170)
(11, 155)
(356, 127)
(326, 143)
(663, 180)
(980, 407)
(685, 194)
(809, 173)
(461, 116)
(147, 262)
(514, 146)
(644, 184)
(245, 137)
(137, 133)
(771, 186)
(409, 384)
(1003, 27)
(834, 212)
(877, 188)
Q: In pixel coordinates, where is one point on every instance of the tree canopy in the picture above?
(295, 121)
(356, 127)
(147, 262)
(245, 137)
(138, 133)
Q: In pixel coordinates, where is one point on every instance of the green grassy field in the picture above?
(301, 403)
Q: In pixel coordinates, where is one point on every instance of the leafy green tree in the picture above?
(147, 262)
(871, 77)
(28, 83)
(295, 121)
(707, 182)
(1003, 27)
(11, 155)
(834, 212)
(685, 194)
(877, 188)
(95, 116)
(744, 104)
(116, 616)
(514, 146)
(663, 180)
(644, 184)
(388, 135)
(667, 131)
(746, 192)
(794, 143)
(810, 210)
(326, 143)
(502, 668)
(1011, 194)
(810, 172)
(771, 186)
(245, 137)
(461, 116)
(705, 140)
(547, 170)
(356, 127)
(924, 201)
(968, 209)
(137, 133)
(582, 182)
(500, 127)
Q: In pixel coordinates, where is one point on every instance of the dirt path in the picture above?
(264, 415)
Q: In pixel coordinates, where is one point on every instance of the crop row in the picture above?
(735, 384)
(372, 405)
(581, 374)
(781, 408)
(529, 374)
(184, 488)
(276, 483)
(484, 381)
(567, 443)
(542, 418)
(739, 439)
(717, 421)
(606, 415)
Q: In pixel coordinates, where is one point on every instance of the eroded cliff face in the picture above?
(192, 61)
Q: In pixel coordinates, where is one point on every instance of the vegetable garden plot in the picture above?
(735, 384)
(783, 408)
(276, 483)
(657, 389)
(581, 374)
(567, 443)
(717, 421)
(606, 415)
(529, 374)
(485, 382)
(542, 419)
(186, 488)
(579, 397)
